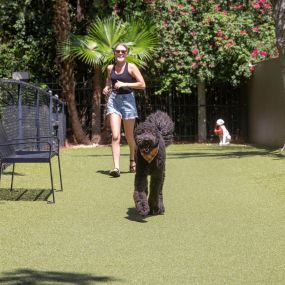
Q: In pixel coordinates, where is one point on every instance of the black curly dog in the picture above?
(151, 137)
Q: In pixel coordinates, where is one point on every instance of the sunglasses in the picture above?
(120, 51)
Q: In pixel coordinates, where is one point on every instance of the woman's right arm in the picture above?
(108, 87)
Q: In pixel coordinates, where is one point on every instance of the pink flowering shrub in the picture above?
(213, 40)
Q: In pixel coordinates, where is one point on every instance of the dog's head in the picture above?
(147, 139)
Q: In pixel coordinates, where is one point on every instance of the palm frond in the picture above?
(142, 35)
(91, 57)
(96, 48)
(81, 47)
(107, 32)
(137, 61)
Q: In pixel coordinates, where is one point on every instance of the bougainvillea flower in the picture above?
(219, 33)
(252, 68)
(254, 53)
(192, 8)
(268, 6)
(195, 51)
(238, 7)
(165, 24)
(217, 7)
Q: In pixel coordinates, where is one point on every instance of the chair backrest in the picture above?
(5, 148)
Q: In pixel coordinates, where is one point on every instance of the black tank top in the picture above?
(124, 77)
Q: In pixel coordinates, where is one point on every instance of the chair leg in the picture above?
(51, 180)
(12, 180)
(60, 177)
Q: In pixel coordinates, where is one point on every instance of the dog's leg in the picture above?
(155, 199)
(140, 194)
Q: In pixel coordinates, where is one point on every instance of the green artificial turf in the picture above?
(224, 221)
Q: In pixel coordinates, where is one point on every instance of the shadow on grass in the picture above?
(226, 154)
(9, 173)
(133, 215)
(34, 277)
(22, 194)
(97, 155)
(107, 172)
(104, 172)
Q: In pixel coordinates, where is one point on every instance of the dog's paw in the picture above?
(141, 203)
(156, 207)
(157, 211)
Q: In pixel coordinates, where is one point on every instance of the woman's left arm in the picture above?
(136, 74)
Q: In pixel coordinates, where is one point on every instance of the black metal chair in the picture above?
(29, 150)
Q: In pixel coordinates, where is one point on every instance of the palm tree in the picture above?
(96, 49)
(62, 27)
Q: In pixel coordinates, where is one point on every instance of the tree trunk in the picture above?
(96, 106)
(202, 117)
(69, 93)
(79, 11)
(62, 28)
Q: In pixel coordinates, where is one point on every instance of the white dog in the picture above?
(222, 132)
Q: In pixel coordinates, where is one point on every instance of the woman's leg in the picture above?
(115, 124)
(129, 132)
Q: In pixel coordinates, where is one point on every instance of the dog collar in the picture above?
(150, 156)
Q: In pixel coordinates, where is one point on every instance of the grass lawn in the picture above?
(224, 221)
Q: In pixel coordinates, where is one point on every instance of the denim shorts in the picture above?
(122, 104)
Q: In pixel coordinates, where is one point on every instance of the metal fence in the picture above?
(28, 111)
(182, 108)
(221, 102)
(230, 104)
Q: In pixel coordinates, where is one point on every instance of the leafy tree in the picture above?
(26, 38)
(125, 8)
(205, 42)
(96, 49)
